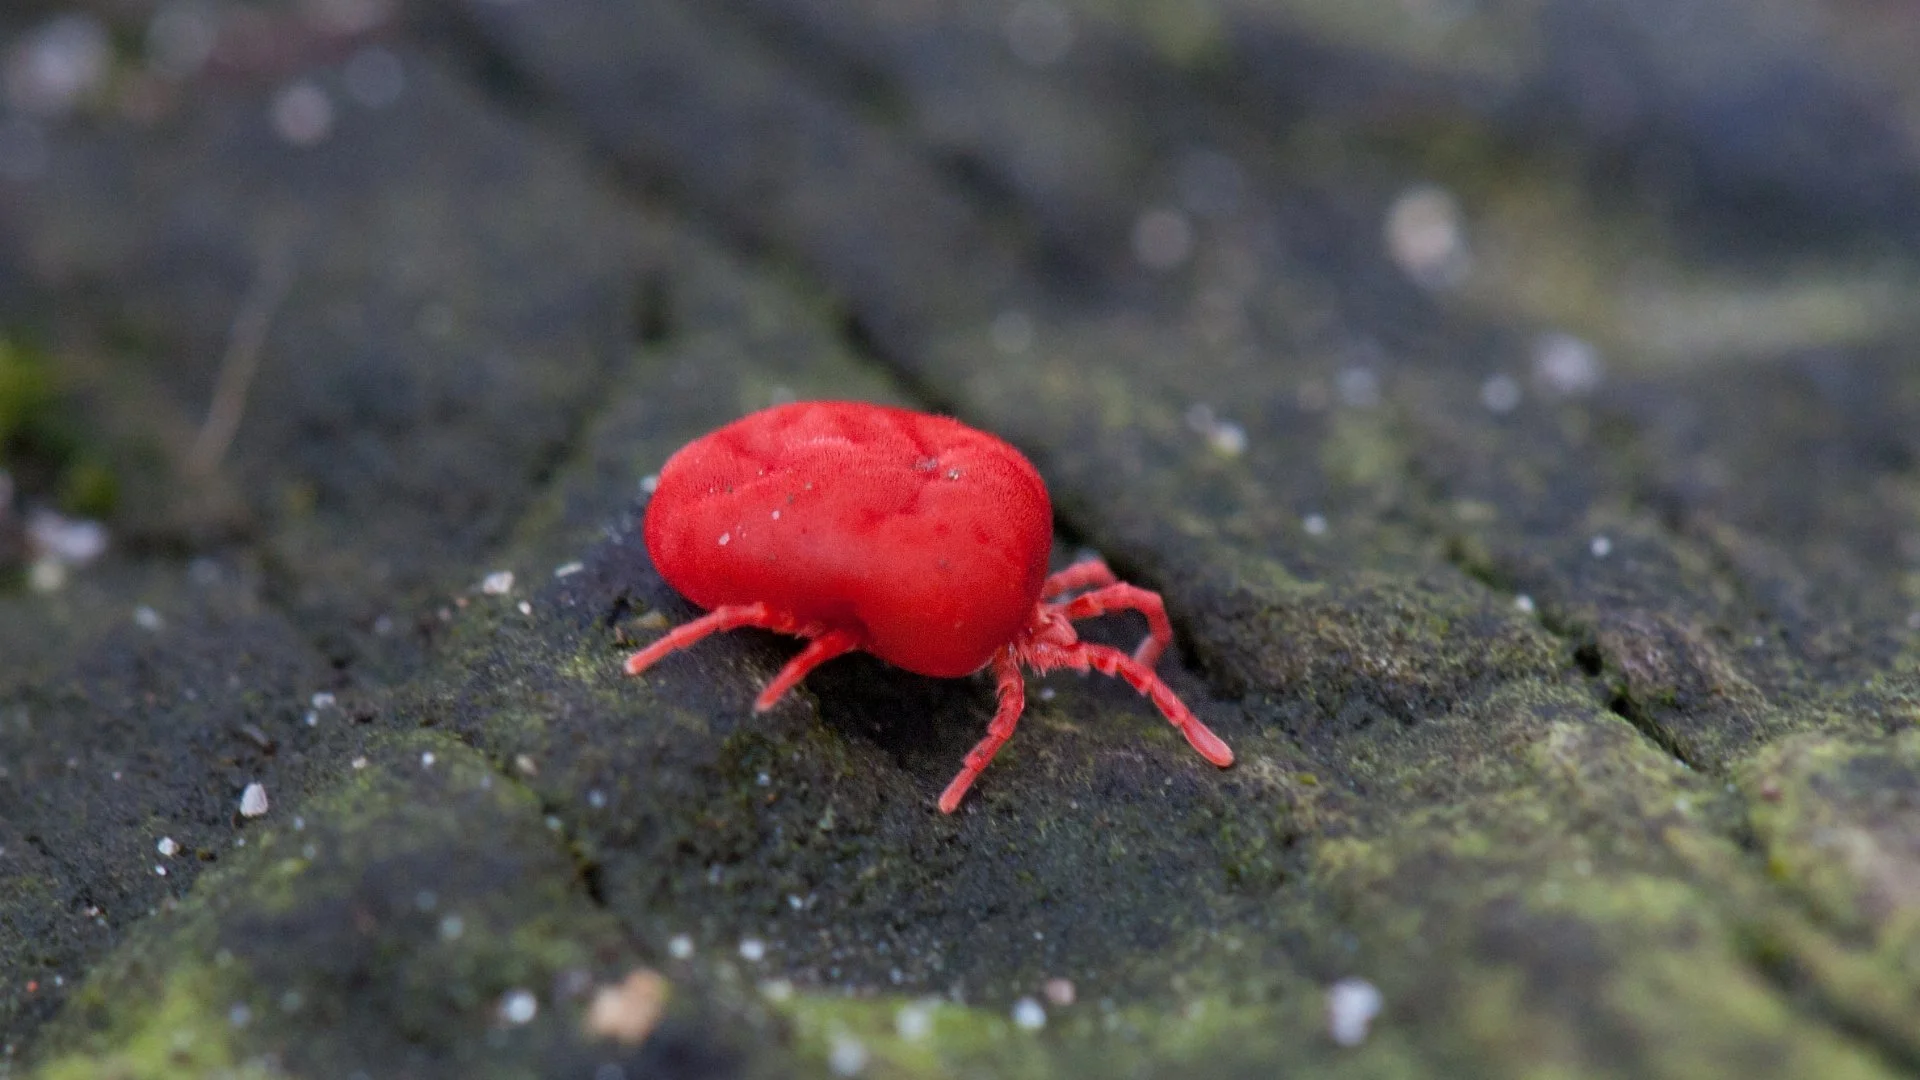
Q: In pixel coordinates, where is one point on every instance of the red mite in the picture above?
(913, 537)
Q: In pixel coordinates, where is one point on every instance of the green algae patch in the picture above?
(422, 910)
(182, 1031)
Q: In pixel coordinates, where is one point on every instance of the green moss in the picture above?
(179, 1029)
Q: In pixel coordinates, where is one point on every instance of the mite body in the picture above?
(909, 536)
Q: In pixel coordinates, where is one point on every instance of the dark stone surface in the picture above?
(1574, 706)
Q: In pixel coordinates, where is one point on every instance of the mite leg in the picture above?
(818, 651)
(1111, 661)
(1078, 576)
(1123, 597)
(1013, 701)
(726, 617)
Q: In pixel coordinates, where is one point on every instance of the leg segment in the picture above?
(1124, 597)
(818, 651)
(1110, 661)
(725, 617)
(1080, 575)
(1013, 701)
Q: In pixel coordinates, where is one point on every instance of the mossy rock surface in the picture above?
(1542, 543)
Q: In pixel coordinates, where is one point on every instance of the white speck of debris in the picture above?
(322, 700)
(359, 763)
(65, 540)
(1028, 1015)
(1523, 603)
(161, 870)
(146, 618)
(1427, 236)
(1351, 1006)
(680, 947)
(58, 65)
(1566, 365)
(1227, 438)
(167, 846)
(302, 114)
(427, 759)
(847, 1056)
(1162, 239)
(753, 950)
(373, 77)
(239, 1015)
(518, 1006)
(1059, 992)
(253, 800)
(451, 927)
(525, 608)
(568, 569)
(1500, 394)
(776, 515)
(650, 482)
(1682, 804)
(726, 538)
(763, 780)
(914, 1021)
(498, 583)
(1011, 331)
(1358, 387)
(596, 798)
(1601, 547)
(1314, 524)
(1048, 693)
(1039, 32)
(777, 989)
(46, 576)
(525, 765)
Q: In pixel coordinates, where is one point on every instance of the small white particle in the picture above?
(753, 950)
(166, 846)
(1427, 237)
(1523, 603)
(67, 541)
(1028, 1015)
(726, 538)
(1683, 804)
(1566, 365)
(253, 800)
(51, 69)
(525, 608)
(1162, 239)
(359, 763)
(1358, 387)
(1500, 394)
(302, 114)
(776, 515)
(847, 1056)
(451, 927)
(1314, 524)
(597, 799)
(322, 700)
(914, 1022)
(427, 759)
(161, 870)
(777, 989)
(763, 779)
(795, 902)
(518, 1006)
(147, 619)
(525, 765)
(1351, 1006)
(1048, 693)
(568, 569)
(1060, 992)
(47, 575)
(680, 946)
(239, 1015)
(650, 482)
(498, 583)
(1601, 547)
